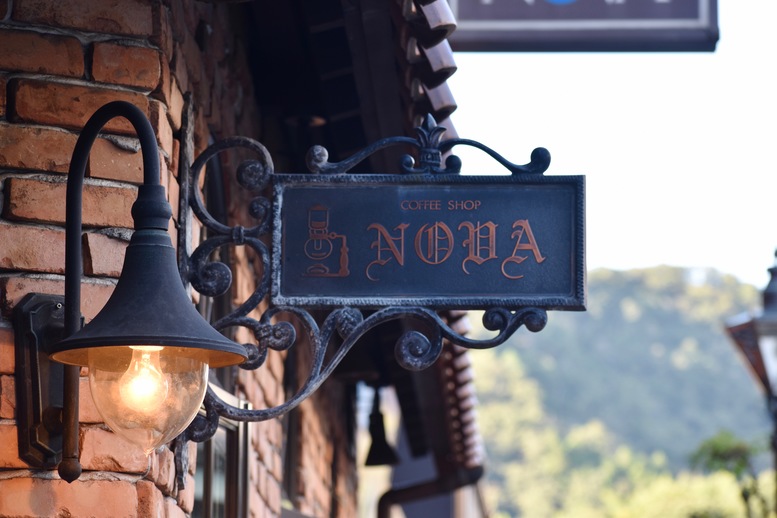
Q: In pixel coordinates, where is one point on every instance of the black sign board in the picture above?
(585, 25)
(451, 241)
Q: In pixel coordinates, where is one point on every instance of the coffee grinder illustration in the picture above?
(321, 243)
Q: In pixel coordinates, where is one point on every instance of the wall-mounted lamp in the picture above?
(148, 350)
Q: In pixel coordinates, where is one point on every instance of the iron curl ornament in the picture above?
(349, 319)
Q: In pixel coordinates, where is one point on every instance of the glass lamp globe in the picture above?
(147, 394)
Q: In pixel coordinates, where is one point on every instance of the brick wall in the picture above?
(59, 62)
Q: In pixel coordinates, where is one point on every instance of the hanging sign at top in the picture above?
(428, 236)
(585, 25)
(445, 241)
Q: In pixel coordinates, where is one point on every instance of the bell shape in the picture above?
(381, 453)
(148, 350)
(150, 307)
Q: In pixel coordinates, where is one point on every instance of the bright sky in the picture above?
(679, 149)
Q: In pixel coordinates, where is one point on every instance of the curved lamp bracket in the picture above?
(343, 326)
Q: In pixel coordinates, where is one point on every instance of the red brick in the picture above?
(3, 82)
(163, 31)
(264, 479)
(162, 91)
(7, 355)
(173, 231)
(151, 502)
(192, 447)
(128, 17)
(185, 497)
(164, 172)
(128, 66)
(68, 105)
(166, 479)
(170, 94)
(173, 193)
(175, 157)
(213, 106)
(102, 450)
(109, 161)
(36, 148)
(27, 51)
(103, 255)
(30, 248)
(7, 397)
(25, 496)
(87, 412)
(257, 507)
(41, 200)
(176, 104)
(221, 40)
(164, 133)
(201, 137)
(153, 470)
(181, 19)
(171, 506)
(9, 455)
(270, 387)
(178, 67)
(12, 289)
(274, 497)
(275, 362)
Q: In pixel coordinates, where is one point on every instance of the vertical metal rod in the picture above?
(771, 407)
(185, 160)
(70, 467)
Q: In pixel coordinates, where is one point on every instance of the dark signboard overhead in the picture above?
(447, 241)
(585, 25)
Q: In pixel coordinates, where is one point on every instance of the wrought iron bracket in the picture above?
(342, 327)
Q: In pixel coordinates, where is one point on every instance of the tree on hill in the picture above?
(650, 360)
(598, 414)
(724, 452)
(534, 471)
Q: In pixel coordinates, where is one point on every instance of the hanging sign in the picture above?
(447, 241)
(585, 25)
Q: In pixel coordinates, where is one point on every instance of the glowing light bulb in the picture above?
(148, 394)
(143, 387)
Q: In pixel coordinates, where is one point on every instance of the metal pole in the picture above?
(771, 403)
(774, 467)
(774, 462)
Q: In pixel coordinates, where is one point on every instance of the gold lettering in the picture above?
(463, 204)
(420, 204)
(439, 243)
(384, 244)
(481, 246)
(522, 228)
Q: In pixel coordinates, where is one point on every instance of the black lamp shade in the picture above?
(150, 307)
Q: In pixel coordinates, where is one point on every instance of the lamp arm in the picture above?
(413, 350)
(70, 467)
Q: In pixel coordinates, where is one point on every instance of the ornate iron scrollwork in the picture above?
(414, 350)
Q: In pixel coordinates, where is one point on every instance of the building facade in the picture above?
(289, 74)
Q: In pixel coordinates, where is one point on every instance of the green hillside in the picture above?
(619, 396)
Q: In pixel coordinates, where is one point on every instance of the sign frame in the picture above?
(572, 297)
(504, 34)
(331, 330)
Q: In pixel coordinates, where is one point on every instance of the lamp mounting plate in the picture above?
(38, 323)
